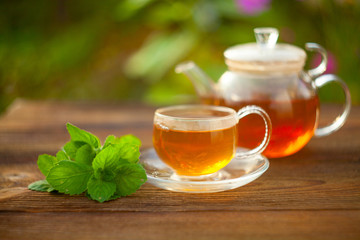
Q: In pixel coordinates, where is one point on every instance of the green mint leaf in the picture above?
(130, 139)
(129, 178)
(115, 196)
(61, 155)
(46, 162)
(71, 148)
(41, 186)
(107, 159)
(70, 177)
(100, 190)
(128, 152)
(109, 141)
(82, 165)
(105, 174)
(127, 146)
(79, 135)
(124, 140)
(85, 154)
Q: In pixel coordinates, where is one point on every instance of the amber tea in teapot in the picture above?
(293, 124)
(271, 75)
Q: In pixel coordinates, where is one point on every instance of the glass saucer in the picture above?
(240, 171)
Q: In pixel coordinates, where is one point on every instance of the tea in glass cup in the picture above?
(196, 140)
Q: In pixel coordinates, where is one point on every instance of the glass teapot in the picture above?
(271, 75)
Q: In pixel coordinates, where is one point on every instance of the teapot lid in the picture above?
(265, 55)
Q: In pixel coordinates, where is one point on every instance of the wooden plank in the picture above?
(26, 115)
(190, 225)
(40, 126)
(314, 185)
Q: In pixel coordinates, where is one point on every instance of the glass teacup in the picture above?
(198, 140)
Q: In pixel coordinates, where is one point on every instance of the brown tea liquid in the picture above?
(293, 124)
(194, 153)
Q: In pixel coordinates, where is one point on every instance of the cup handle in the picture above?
(340, 120)
(268, 127)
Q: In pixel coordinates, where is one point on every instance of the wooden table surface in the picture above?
(314, 194)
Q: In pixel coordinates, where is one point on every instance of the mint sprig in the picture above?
(103, 172)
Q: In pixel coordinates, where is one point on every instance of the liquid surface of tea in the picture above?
(194, 153)
(293, 124)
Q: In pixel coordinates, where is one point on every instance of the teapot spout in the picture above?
(204, 85)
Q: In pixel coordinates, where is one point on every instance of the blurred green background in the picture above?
(126, 50)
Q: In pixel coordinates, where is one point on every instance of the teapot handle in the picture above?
(314, 47)
(340, 120)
